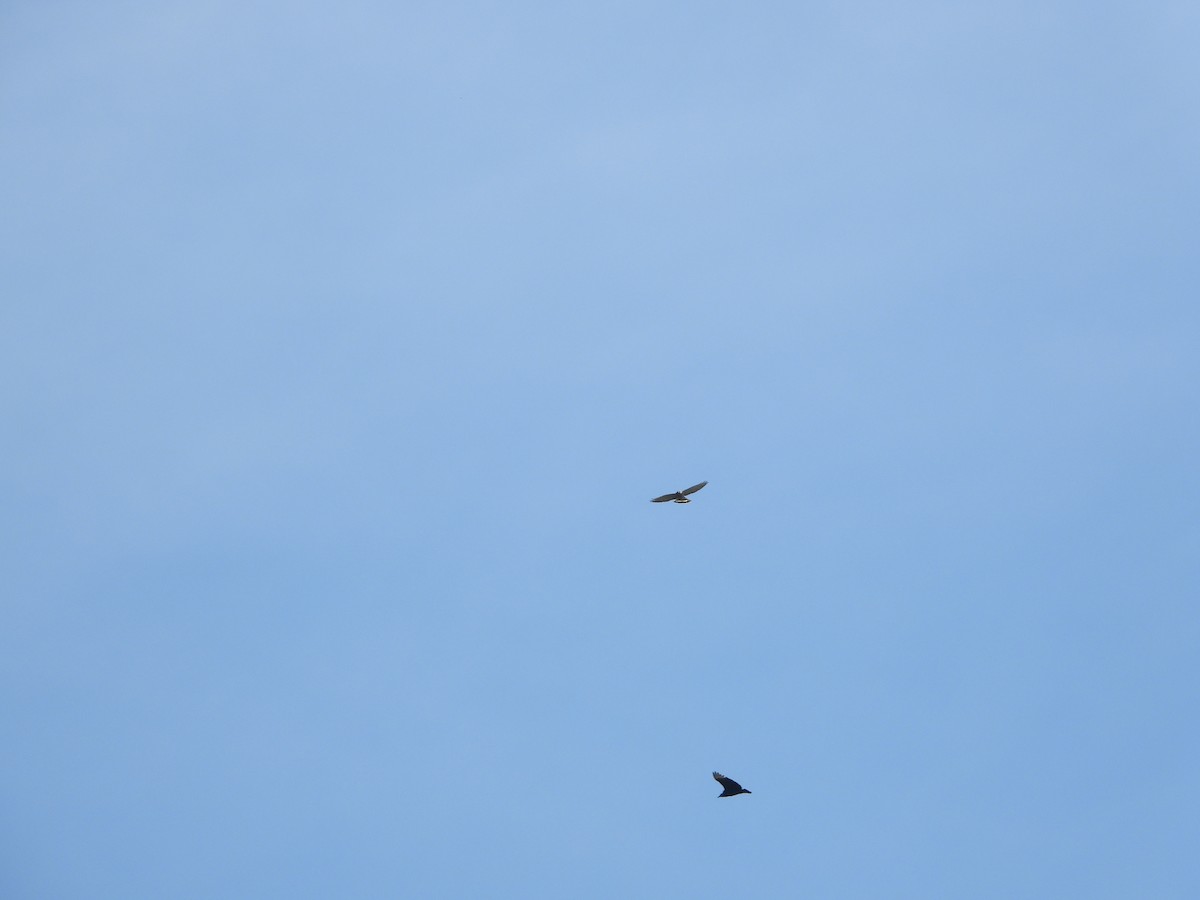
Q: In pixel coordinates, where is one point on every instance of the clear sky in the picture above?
(343, 346)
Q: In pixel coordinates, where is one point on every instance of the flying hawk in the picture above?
(732, 788)
(680, 496)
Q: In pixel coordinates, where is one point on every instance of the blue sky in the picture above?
(344, 345)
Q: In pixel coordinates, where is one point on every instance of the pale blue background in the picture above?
(343, 346)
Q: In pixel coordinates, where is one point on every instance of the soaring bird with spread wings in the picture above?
(732, 788)
(680, 496)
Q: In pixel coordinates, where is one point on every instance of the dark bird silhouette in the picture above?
(680, 496)
(732, 788)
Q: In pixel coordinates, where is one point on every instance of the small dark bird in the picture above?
(680, 496)
(732, 788)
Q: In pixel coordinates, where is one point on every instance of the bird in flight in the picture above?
(732, 788)
(680, 496)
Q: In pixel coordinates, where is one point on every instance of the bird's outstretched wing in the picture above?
(728, 783)
(693, 488)
(665, 497)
